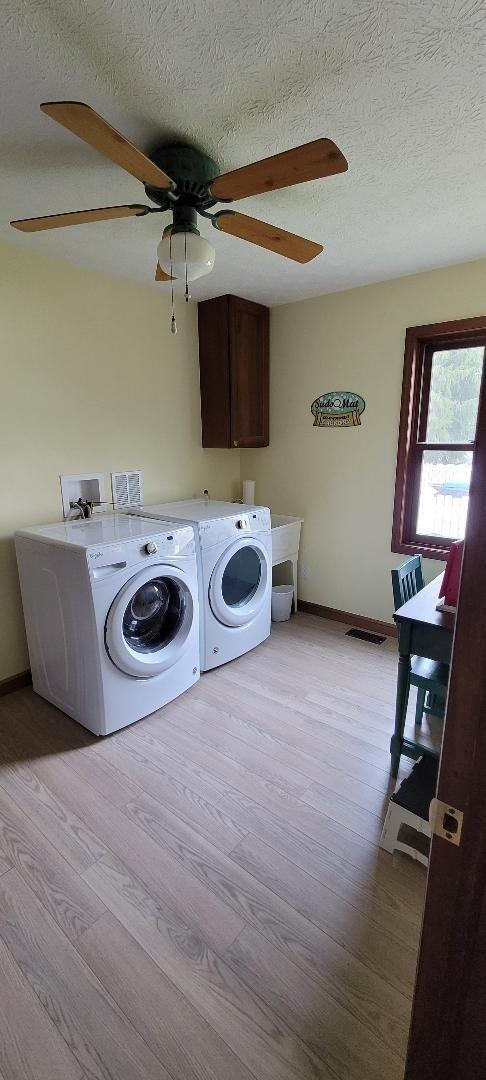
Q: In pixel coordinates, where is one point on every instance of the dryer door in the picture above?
(149, 621)
(240, 581)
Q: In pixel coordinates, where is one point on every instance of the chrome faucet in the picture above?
(85, 507)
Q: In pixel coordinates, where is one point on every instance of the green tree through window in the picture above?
(454, 395)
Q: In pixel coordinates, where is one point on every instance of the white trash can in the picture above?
(282, 596)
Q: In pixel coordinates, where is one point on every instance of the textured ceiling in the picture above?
(400, 86)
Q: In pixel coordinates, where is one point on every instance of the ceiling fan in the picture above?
(186, 181)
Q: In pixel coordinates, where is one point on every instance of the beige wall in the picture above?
(342, 480)
(90, 379)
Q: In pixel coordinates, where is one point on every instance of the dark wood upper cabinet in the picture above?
(233, 362)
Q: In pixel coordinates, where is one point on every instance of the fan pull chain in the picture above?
(173, 324)
(185, 264)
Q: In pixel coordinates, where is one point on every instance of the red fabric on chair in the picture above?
(452, 574)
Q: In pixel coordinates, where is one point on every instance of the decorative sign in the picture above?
(338, 408)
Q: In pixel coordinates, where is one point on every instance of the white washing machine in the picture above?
(234, 547)
(112, 616)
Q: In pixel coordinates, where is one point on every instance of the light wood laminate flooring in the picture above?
(201, 896)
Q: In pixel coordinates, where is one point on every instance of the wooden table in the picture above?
(423, 631)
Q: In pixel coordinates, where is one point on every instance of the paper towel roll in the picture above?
(249, 492)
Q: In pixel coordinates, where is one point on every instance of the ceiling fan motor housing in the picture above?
(184, 219)
(191, 171)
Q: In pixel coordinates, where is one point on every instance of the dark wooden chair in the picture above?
(407, 580)
(429, 676)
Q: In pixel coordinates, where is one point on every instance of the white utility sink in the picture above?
(285, 537)
(285, 544)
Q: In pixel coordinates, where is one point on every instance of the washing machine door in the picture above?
(239, 583)
(149, 621)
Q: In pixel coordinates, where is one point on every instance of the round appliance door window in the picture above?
(239, 585)
(149, 621)
(241, 577)
(154, 615)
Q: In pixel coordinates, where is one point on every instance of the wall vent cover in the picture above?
(126, 488)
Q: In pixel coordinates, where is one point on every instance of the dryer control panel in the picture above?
(251, 522)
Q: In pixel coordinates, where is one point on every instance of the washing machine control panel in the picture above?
(112, 558)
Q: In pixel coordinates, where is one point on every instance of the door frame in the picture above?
(447, 1040)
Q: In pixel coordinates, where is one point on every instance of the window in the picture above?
(442, 375)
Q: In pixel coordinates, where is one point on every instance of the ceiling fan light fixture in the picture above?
(181, 248)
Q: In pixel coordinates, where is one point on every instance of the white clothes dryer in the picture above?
(234, 548)
(112, 615)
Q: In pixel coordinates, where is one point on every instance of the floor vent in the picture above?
(364, 635)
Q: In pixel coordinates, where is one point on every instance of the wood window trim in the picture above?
(419, 344)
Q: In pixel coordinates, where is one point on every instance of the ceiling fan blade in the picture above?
(88, 125)
(267, 236)
(312, 161)
(160, 275)
(78, 217)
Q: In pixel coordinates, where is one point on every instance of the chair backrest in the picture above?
(407, 580)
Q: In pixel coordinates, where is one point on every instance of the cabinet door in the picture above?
(214, 372)
(248, 346)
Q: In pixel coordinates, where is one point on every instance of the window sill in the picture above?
(416, 548)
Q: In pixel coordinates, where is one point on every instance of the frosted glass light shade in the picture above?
(199, 252)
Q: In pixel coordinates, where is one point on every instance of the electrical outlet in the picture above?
(304, 570)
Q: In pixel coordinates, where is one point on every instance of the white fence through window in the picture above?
(444, 498)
